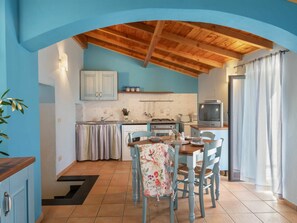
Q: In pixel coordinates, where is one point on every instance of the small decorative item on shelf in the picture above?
(126, 114)
(137, 89)
(127, 89)
(132, 89)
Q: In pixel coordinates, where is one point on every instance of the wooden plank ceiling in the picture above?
(190, 48)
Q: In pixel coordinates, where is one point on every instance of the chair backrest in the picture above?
(158, 165)
(139, 134)
(211, 155)
(207, 135)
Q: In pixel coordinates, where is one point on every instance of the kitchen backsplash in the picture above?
(179, 104)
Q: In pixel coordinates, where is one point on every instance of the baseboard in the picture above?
(66, 169)
(39, 220)
(290, 204)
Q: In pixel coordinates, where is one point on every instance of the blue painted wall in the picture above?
(55, 20)
(42, 23)
(20, 74)
(132, 73)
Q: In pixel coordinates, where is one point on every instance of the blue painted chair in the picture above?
(205, 175)
(140, 134)
(169, 167)
(207, 135)
(203, 135)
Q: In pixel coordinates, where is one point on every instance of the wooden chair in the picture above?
(151, 158)
(205, 175)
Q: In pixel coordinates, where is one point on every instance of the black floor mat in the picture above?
(77, 194)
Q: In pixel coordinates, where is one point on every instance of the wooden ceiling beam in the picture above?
(154, 41)
(96, 34)
(165, 49)
(188, 42)
(227, 32)
(81, 40)
(140, 56)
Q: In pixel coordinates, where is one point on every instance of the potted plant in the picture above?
(6, 102)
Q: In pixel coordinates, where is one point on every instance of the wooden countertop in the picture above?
(9, 166)
(198, 127)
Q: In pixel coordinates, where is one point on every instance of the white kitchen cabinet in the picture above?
(220, 133)
(126, 129)
(98, 85)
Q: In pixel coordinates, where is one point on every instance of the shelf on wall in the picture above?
(146, 92)
(155, 100)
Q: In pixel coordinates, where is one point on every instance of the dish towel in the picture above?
(154, 160)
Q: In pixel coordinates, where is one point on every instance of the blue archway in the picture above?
(56, 20)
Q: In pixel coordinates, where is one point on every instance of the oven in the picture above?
(162, 129)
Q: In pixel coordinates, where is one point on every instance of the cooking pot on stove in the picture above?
(184, 118)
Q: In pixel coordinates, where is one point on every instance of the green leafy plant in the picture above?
(16, 105)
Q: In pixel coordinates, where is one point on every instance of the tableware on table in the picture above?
(201, 143)
(155, 139)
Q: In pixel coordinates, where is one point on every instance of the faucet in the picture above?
(103, 119)
(149, 115)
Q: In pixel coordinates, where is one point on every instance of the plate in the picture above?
(185, 142)
(155, 139)
(197, 143)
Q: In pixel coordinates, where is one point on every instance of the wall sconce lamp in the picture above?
(63, 62)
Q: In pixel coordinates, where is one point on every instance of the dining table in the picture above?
(189, 155)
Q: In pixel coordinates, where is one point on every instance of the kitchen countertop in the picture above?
(130, 122)
(9, 166)
(199, 127)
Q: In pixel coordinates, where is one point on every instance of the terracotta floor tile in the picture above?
(132, 210)
(280, 206)
(271, 218)
(218, 218)
(58, 211)
(81, 220)
(119, 198)
(291, 216)
(133, 219)
(111, 210)
(98, 190)
(258, 206)
(108, 220)
(54, 220)
(245, 196)
(85, 211)
(234, 207)
(94, 199)
(245, 218)
(265, 195)
(116, 190)
(110, 200)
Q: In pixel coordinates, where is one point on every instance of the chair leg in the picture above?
(176, 200)
(201, 201)
(144, 207)
(171, 207)
(206, 190)
(185, 188)
(212, 192)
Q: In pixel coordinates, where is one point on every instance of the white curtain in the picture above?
(261, 136)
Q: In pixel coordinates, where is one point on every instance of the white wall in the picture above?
(290, 127)
(181, 104)
(66, 95)
(214, 86)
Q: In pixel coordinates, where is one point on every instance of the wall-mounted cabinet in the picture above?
(98, 85)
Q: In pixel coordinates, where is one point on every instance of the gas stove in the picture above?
(163, 120)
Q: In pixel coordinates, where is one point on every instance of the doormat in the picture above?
(77, 193)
